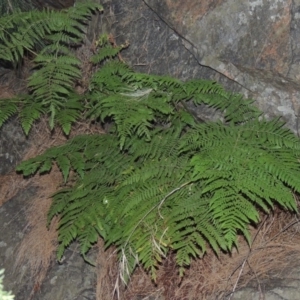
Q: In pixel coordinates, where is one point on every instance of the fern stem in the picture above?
(158, 206)
(168, 195)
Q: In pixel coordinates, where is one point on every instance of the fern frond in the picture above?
(202, 87)
(236, 109)
(107, 51)
(56, 68)
(22, 30)
(30, 112)
(8, 108)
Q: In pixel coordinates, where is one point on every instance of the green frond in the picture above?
(106, 52)
(203, 87)
(56, 68)
(30, 112)
(46, 165)
(109, 77)
(8, 108)
(54, 79)
(22, 30)
(155, 82)
(64, 164)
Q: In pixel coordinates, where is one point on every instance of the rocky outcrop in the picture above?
(12, 147)
(286, 287)
(71, 279)
(255, 44)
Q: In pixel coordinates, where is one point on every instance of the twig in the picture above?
(245, 260)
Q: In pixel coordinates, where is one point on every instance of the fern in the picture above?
(56, 68)
(176, 191)
(8, 108)
(160, 181)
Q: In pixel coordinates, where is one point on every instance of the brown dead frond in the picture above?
(142, 287)
(111, 287)
(10, 184)
(38, 246)
(107, 272)
(6, 92)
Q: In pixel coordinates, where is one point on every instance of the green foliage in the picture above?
(159, 181)
(56, 68)
(183, 188)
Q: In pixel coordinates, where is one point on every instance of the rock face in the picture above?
(72, 279)
(287, 288)
(253, 43)
(12, 147)
(12, 230)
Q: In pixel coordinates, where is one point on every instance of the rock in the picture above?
(253, 43)
(286, 287)
(73, 279)
(12, 230)
(13, 144)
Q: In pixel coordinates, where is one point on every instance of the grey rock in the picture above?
(12, 227)
(73, 279)
(13, 145)
(253, 43)
(285, 286)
